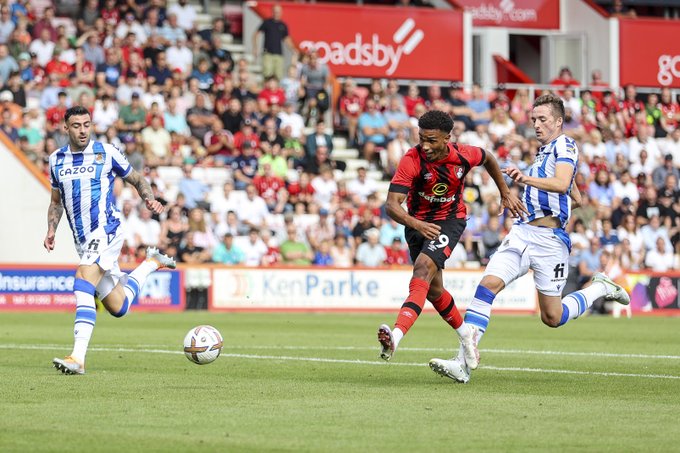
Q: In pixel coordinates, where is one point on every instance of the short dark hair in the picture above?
(436, 119)
(552, 100)
(75, 110)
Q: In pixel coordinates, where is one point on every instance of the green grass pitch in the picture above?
(313, 382)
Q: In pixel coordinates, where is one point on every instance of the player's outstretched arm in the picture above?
(144, 190)
(557, 184)
(509, 201)
(399, 215)
(54, 213)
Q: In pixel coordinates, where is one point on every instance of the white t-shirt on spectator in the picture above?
(659, 262)
(253, 253)
(652, 148)
(324, 191)
(295, 121)
(253, 211)
(104, 117)
(668, 146)
(181, 58)
(186, 15)
(158, 141)
(362, 189)
(42, 50)
(629, 190)
(135, 27)
(148, 231)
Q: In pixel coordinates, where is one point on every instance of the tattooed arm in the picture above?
(54, 213)
(144, 191)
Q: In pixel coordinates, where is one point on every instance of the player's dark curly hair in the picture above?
(74, 111)
(555, 103)
(436, 119)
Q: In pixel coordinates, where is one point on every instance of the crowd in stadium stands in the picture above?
(172, 97)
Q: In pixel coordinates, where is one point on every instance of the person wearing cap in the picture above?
(397, 255)
(323, 230)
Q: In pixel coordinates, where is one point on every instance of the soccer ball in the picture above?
(203, 344)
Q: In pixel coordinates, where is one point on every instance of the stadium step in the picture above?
(339, 143)
(345, 153)
(355, 164)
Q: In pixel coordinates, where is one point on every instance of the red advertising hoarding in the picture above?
(534, 14)
(649, 52)
(400, 43)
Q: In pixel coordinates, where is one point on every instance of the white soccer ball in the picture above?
(203, 344)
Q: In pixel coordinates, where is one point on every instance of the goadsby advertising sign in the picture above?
(650, 52)
(534, 14)
(403, 43)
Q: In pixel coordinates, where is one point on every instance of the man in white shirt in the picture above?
(361, 187)
(253, 211)
(186, 14)
(147, 230)
(253, 249)
(625, 187)
(180, 57)
(289, 117)
(43, 47)
(105, 114)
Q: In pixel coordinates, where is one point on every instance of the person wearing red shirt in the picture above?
(246, 133)
(272, 92)
(630, 107)
(350, 106)
(396, 255)
(110, 13)
(268, 186)
(430, 178)
(565, 79)
(412, 99)
(219, 143)
(54, 116)
(597, 85)
(60, 68)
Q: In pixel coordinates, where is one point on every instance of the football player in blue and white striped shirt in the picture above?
(82, 175)
(538, 241)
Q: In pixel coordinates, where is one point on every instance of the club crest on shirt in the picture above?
(99, 159)
(459, 172)
(427, 176)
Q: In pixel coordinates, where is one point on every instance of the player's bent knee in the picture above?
(551, 320)
(122, 311)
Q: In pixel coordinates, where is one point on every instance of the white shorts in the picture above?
(536, 248)
(103, 250)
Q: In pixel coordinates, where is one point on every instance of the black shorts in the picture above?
(439, 249)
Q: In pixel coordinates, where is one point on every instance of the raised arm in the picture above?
(508, 200)
(54, 212)
(144, 190)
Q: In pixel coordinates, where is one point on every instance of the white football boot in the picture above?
(386, 342)
(163, 261)
(452, 369)
(68, 365)
(614, 292)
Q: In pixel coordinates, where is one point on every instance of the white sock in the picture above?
(463, 331)
(397, 335)
(576, 303)
(86, 315)
(135, 282)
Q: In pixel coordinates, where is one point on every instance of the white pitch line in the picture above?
(366, 348)
(353, 362)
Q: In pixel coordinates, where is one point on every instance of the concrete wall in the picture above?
(23, 214)
(579, 18)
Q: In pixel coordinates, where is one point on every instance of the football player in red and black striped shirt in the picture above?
(430, 177)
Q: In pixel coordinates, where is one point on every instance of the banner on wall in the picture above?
(654, 292)
(336, 289)
(40, 288)
(359, 41)
(649, 52)
(534, 14)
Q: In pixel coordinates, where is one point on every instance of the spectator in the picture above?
(202, 235)
(373, 131)
(618, 9)
(180, 57)
(128, 25)
(147, 230)
(229, 223)
(349, 109)
(195, 191)
(269, 187)
(325, 187)
(660, 258)
(341, 252)
(322, 255)
(173, 229)
(396, 117)
(185, 13)
(671, 145)
(609, 239)
(460, 111)
(396, 254)
(589, 263)
(275, 32)
(396, 149)
(624, 187)
(371, 253)
(191, 253)
(253, 212)
(565, 79)
(227, 253)
(290, 118)
(294, 251)
(254, 249)
(660, 174)
(653, 231)
(362, 186)
(200, 118)
(319, 138)
(292, 87)
(323, 230)
(501, 125)
(479, 105)
(10, 131)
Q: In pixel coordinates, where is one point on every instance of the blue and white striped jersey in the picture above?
(541, 203)
(85, 181)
